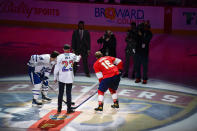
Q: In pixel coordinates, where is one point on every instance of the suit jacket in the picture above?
(145, 39)
(80, 46)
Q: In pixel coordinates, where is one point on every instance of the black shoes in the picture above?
(115, 105)
(144, 82)
(133, 76)
(99, 108)
(88, 75)
(59, 109)
(72, 103)
(69, 111)
(137, 80)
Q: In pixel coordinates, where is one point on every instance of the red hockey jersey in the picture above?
(107, 66)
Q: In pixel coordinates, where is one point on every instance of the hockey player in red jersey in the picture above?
(107, 70)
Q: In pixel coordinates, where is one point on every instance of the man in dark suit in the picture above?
(130, 50)
(81, 46)
(143, 52)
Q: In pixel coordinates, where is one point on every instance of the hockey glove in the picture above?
(46, 83)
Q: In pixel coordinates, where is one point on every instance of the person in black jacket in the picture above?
(109, 44)
(130, 50)
(143, 52)
(81, 46)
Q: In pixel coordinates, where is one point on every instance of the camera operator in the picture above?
(109, 44)
(145, 36)
(130, 50)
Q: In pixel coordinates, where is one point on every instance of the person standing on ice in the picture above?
(63, 73)
(39, 69)
(107, 70)
(81, 45)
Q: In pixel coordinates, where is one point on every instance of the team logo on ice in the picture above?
(143, 108)
(58, 117)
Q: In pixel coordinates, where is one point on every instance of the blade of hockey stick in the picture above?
(87, 95)
(74, 103)
(84, 100)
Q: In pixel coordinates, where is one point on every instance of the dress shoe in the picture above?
(69, 111)
(137, 80)
(88, 75)
(133, 76)
(144, 82)
(58, 111)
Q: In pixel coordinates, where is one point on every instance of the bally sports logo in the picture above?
(120, 15)
(26, 9)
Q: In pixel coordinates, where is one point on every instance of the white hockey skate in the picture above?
(46, 98)
(36, 103)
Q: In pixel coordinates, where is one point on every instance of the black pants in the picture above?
(85, 64)
(127, 64)
(68, 95)
(142, 60)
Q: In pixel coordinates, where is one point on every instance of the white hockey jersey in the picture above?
(63, 71)
(41, 63)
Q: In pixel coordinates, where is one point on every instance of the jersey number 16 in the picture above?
(107, 64)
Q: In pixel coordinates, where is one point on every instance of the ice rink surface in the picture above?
(157, 106)
(167, 103)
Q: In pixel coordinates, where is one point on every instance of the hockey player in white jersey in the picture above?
(39, 69)
(63, 73)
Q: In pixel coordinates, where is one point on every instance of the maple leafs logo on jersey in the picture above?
(41, 58)
(45, 69)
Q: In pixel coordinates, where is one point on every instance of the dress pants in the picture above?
(142, 60)
(68, 95)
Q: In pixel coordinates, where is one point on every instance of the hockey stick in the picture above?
(55, 91)
(72, 103)
(85, 97)
(85, 100)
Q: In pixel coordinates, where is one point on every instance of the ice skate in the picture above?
(115, 105)
(99, 108)
(46, 98)
(36, 102)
